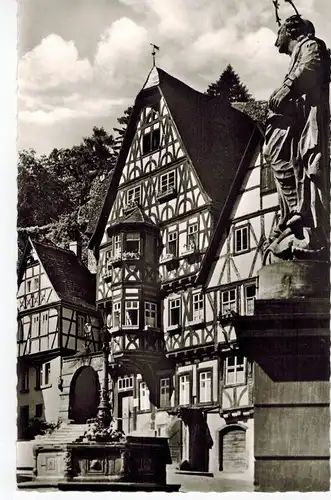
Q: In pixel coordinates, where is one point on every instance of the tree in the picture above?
(55, 191)
(42, 196)
(123, 121)
(230, 86)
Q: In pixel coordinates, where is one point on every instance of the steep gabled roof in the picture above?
(214, 135)
(70, 278)
(222, 226)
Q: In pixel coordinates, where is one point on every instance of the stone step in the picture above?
(67, 433)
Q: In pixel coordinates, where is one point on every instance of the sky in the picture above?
(82, 62)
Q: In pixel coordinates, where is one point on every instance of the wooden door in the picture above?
(126, 412)
(233, 450)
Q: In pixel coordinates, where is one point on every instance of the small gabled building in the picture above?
(55, 300)
(178, 243)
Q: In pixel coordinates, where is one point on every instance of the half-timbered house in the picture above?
(55, 300)
(178, 244)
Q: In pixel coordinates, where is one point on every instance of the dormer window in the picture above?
(151, 139)
(132, 242)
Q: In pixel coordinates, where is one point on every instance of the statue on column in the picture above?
(297, 145)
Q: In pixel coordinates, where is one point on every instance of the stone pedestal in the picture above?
(289, 340)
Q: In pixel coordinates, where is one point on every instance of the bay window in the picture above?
(131, 313)
(150, 314)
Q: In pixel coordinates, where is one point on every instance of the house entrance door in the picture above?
(125, 417)
(84, 395)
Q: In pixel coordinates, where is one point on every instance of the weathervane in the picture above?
(155, 48)
(276, 5)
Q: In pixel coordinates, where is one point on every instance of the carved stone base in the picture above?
(288, 338)
(119, 466)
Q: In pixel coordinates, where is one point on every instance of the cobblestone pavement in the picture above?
(220, 482)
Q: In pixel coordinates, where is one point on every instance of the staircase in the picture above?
(67, 433)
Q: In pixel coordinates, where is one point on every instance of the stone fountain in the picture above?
(100, 457)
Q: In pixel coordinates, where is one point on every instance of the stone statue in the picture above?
(296, 146)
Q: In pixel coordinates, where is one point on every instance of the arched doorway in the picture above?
(84, 395)
(232, 449)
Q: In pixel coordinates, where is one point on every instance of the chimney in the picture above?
(75, 247)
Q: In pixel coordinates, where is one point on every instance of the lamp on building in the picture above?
(87, 336)
(104, 410)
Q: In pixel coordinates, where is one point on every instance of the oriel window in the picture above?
(132, 242)
(131, 313)
(150, 314)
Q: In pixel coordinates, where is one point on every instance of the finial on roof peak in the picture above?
(155, 48)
